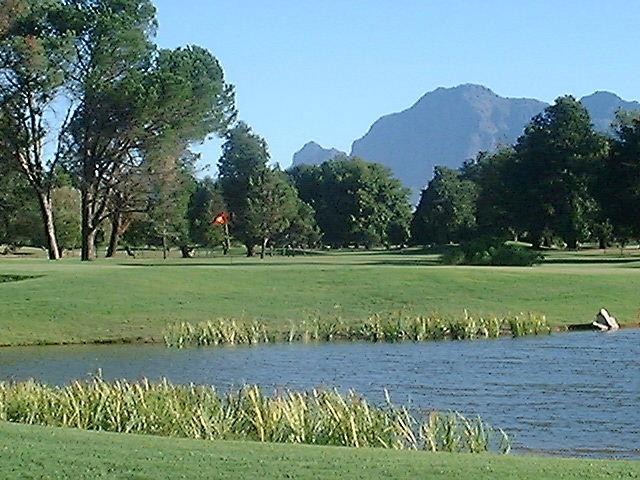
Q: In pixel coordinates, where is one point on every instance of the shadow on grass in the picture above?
(266, 263)
(591, 261)
(17, 278)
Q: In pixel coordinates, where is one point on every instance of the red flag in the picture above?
(221, 219)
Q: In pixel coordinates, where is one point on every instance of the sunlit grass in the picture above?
(225, 331)
(200, 412)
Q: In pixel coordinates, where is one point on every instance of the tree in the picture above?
(557, 160)
(356, 202)
(302, 230)
(36, 58)
(205, 203)
(169, 203)
(447, 209)
(619, 187)
(20, 219)
(273, 204)
(244, 158)
(497, 197)
(134, 99)
(261, 201)
(66, 201)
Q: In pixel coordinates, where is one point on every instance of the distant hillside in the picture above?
(603, 106)
(445, 127)
(313, 154)
(450, 125)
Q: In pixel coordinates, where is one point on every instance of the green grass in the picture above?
(136, 299)
(29, 452)
(319, 417)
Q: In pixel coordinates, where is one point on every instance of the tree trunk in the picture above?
(602, 243)
(186, 251)
(226, 244)
(250, 248)
(46, 210)
(116, 228)
(88, 251)
(164, 245)
(263, 248)
(572, 243)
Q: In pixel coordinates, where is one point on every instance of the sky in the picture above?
(325, 70)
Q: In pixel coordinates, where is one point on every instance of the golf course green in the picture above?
(134, 300)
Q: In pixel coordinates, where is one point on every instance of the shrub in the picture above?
(492, 252)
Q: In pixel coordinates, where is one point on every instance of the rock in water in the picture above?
(605, 322)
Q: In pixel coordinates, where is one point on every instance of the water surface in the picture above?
(572, 394)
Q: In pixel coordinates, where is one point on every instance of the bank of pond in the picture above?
(550, 394)
(377, 328)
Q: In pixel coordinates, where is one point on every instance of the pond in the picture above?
(574, 394)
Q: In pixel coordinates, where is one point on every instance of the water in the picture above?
(572, 394)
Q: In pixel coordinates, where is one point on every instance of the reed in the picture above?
(375, 329)
(200, 412)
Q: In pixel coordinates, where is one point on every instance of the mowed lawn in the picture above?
(135, 299)
(28, 452)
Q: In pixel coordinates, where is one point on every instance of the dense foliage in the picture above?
(492, 252)
(561, 184)
(357, 203)
(98, 128)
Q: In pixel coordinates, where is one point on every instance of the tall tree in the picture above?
(169, 202)
(446, 211)
(356, 202)
(619, 186)
(497, 198)
(555, 163)
(261, 200)
(244, 159)
(273, 204)
(134, 99)
(36, 58)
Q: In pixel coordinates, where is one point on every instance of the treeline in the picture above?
(96, 121)
(96, 126)
(561, 184)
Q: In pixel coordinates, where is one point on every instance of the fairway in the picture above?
(41, 452)
(133, 300)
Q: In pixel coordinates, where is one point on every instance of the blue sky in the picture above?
(326, 70)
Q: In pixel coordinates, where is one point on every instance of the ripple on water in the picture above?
(572, 394)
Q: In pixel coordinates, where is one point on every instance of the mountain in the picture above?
(603, 106)
(313, 154)
(450, 125)
(445, 127)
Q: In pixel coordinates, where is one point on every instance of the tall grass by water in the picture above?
(200, 412)
(375, 329)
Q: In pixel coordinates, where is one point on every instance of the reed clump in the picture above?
(200, 412)
(398, 328)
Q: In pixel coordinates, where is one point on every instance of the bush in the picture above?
(491, 252)
(513, 255)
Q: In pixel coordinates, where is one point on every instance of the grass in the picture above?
(376, 329)
(320, 417)
(121, 299)
(30, 452)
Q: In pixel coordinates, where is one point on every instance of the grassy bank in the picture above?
(137, 299)
(28, 452)
(319, 417)
(375, 329)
